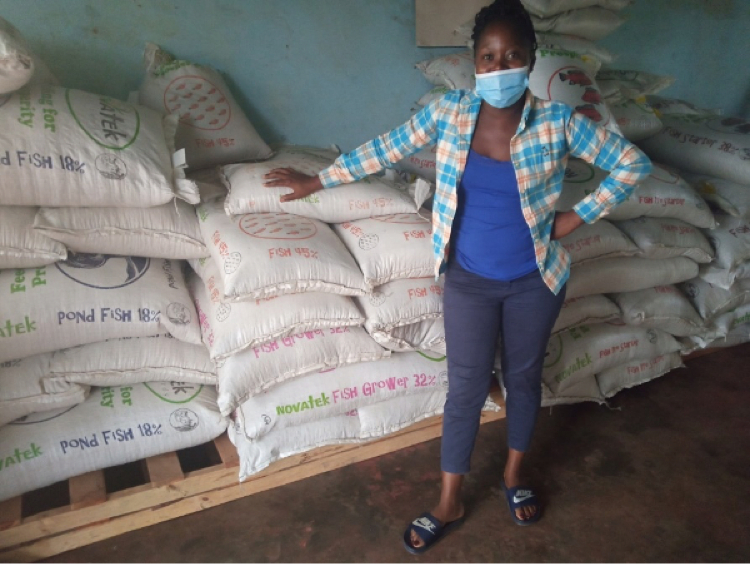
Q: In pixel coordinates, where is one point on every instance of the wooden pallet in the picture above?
(173, 488)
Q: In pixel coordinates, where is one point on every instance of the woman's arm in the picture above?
(626, 163)
(372, 157)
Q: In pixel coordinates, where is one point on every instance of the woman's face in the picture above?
(501, 47)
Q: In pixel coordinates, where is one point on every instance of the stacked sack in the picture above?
(101, 358)
(283, 307)
(712, 153)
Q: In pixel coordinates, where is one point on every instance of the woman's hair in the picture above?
(506, 11)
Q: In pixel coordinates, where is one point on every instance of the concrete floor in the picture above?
(663, 478)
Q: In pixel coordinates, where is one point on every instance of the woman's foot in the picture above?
(526, 512)
(445, 515)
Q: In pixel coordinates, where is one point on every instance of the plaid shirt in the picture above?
(549, 132)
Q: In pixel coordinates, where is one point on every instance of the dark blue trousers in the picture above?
(477, 312)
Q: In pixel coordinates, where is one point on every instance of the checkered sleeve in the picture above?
(385, 149)
(626, 163)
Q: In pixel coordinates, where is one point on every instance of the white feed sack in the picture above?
(546, 8)
(729, 321)
(368, 197)
(433, 94)
(20, 245)
(229, 328)
(390, 247)
(627, 274)
(663, 238)
(401, 314)
(597, 240)
(213, 129)
(661, 307)
(261, 255)
(571, 78)
(92, 298)
(593, 23)
(167, 231)
(335, 392)
(454, 71)
(113, 426)
(711, 301)
(661, 194)
(636, 119)
(586, 310)
(256, 455)
(737, 336)
(731, 241)
(585, 350)
(17, 63)
(585, 389)
(729, 197)
(619, 86)
(65, 147)
(422, 163)
(711, 145)
(263, 366)
(673, 106)
(635, 372)
(22, 392)
(123, 362)
(724, 277)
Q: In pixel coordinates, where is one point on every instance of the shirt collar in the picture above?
(473, 99)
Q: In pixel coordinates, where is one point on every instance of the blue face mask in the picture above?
(502, 88)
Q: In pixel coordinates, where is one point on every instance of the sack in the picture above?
(710, 145)
(20, 245)
(711, 301)
(731, 241)
(113, 426)
(433, 94)
(256, 455)
(671, 106)
(454, 71)
(255, 370)
(737, 336)
(593, 23)
(568, 77)
(404, 304)
(660, 238)
(636, 372)
(662, 307)
(210, 183)
(368, 197)
(72, 148)
(335, 392)
(583, 351)
(629, 274)
(16, 60)
(546, 8)
(724, 277)
(636, 119)
(262, 255)
(213, 128)
(619, 86)
(729, 321)
(422, 163)
(389, 247)
(729, 197)
(661, 194)
(597, 240)
(584, 390)
(231, 328)
(124, 362)
(166, 231)
(92, 298)
(21, 391)
(586, 310)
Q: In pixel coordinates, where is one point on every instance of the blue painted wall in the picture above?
(342, 71)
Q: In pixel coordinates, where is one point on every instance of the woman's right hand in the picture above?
(302, 184)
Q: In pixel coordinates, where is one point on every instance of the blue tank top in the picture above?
(491, 237)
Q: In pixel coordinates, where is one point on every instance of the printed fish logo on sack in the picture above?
(103, 272)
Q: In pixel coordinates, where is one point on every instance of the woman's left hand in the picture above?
(565, 224)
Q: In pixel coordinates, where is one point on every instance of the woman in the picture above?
(501, 156)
